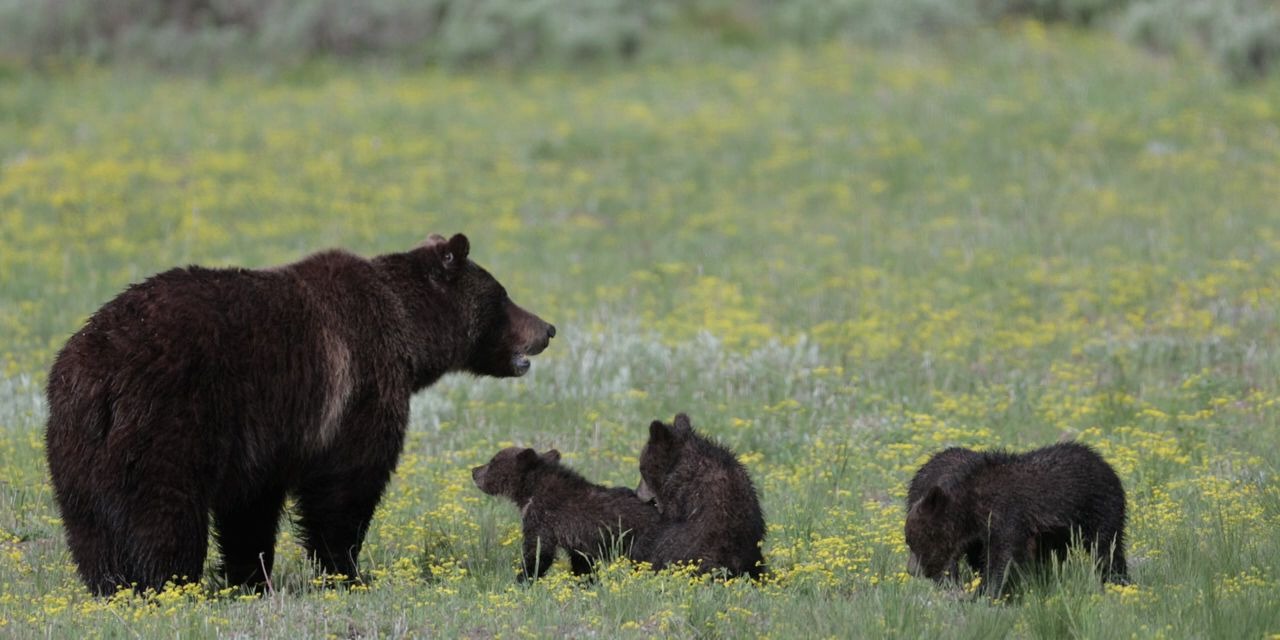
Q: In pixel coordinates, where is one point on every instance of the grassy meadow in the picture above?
(838, 260)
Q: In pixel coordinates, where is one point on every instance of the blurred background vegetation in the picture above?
(1241, 35)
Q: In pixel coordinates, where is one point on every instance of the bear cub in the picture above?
(942, 465)
(710, 511)
(559, 509)
(1002, 510)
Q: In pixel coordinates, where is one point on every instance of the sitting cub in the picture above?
(711, 516)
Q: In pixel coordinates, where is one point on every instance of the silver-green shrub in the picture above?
(183, 32)
(1243, 35)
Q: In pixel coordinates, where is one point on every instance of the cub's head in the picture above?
(508, 473)
(935, 536)
(661, 456)
(945, 465)
(500, 335)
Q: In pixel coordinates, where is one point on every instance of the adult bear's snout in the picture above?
(540, 344)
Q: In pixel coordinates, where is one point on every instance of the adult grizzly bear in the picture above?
(215, 392)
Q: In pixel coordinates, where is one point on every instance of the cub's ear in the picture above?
(551, 456)
(682, 426)
(433, 240)
(659, 432)
(527, 458)
(935, 500)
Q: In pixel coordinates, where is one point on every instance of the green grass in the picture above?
(838, 260)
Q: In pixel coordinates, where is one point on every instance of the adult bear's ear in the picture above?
(456, 251)
(452, 252)
(551, 456)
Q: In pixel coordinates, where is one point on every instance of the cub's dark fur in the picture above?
(1003, 509)
(207, 395)
(559, 509)
(710, 512)
(939, 467)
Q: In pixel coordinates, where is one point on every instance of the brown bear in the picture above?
(1004, 510)
(711, 515)
(206, 394)
(939, 466)
(559, 509)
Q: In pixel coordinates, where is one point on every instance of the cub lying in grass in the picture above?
(559, 509)
(1003, 509)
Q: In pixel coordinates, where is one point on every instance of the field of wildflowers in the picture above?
(837, 260)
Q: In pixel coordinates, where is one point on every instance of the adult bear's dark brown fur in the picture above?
(559, 509)
(710, 512)
(1013, 510)
(206, 393)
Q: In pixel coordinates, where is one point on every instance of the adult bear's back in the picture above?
(260, 361)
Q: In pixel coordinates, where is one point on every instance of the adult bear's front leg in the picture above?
(339, 493)
(334, 512)
(246, 534)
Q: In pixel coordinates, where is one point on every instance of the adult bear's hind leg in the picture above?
(168, 536)
(135, 512)
(94, 548)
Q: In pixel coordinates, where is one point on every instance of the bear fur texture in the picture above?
(205, 396)
(1003, 510)
(710, 512)
(559, 509)
(939, 467)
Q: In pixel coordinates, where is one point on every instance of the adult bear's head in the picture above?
(497, 336)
